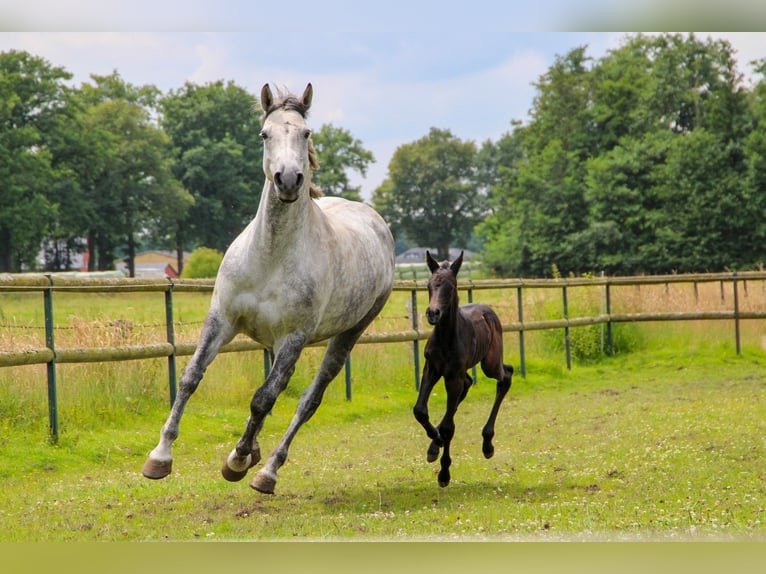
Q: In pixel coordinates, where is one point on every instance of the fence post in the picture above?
(522, 361)
(415, 343)
(470, 300)
(171, 338)
(348, 377)
(736, 313)
(566, 329)
(53, 415)
(609, 350)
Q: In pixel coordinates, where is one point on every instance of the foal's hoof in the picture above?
(156, 469)
(443, 479)
(489, 451)
(433, 452)
(264, 483)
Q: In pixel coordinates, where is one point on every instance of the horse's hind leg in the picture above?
(215, 333)
(338, 350)
(247, 451)
(488, 432)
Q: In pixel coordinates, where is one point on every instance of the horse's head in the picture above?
(288, 155)
(442, 288)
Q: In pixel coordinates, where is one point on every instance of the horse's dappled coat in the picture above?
(305, 269)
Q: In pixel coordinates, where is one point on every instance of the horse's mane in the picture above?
(288, 101)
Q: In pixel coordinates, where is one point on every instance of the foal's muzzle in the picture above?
(433, 315)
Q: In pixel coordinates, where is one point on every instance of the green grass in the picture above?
(662, 441)
(660, 445)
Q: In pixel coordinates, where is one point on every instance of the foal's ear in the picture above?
(267, 99)
(455, 267)
(433, 265)
(308, 93)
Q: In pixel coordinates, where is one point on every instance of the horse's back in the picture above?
(362, 237)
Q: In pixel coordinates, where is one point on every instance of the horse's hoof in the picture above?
(489, 451)
(236, 475)
(156, 469)
(264, 483)
(433, 452)
(444, 478)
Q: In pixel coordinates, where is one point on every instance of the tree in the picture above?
(214, 130)
(431, 193)
(338, 152)
(132, 189)
(32, 94)
(644, 161)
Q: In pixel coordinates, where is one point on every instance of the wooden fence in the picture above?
(50, 355)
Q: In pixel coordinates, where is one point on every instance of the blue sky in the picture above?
(385, 71)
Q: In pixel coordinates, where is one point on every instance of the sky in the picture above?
(385, 71)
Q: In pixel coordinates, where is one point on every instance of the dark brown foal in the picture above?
(463, 336)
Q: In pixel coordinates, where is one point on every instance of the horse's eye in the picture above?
(264, 135)
(307, 134)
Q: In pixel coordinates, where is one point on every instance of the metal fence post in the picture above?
(416, 342)
(53, 416)
(566, 329)
(171, 338)
(348, 377)
(522, 360)
(609, 348)
(736, 313)
(470, 300)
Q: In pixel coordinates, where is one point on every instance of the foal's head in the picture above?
(288, 154)
(442, 288)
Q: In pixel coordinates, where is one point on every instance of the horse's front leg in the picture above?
(427, 382)
(334, 359)
(247, 453)
(215, 333)
(456, 391)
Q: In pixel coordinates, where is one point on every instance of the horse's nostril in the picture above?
(278, 178)
(299, 180)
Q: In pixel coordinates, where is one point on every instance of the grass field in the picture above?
(665, 441)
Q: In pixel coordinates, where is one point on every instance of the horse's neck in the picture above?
(279, 227)
(447, 331)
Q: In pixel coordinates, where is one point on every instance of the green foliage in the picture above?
(214, 130)
(648, 160)
(338, 152)
(203, 263)
(431, 194)
(32, 96)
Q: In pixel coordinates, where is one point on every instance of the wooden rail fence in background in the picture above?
(50, 355)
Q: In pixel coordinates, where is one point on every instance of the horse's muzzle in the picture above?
(433, 316)
(288, 185)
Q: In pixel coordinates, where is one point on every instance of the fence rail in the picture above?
(50, 355)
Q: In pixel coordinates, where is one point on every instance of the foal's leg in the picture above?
(427, 381)
(456, 391)
(335, 357)
(247, 452)
(216, 332)
(488, 432)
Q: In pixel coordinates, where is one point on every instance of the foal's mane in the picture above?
(288, 101)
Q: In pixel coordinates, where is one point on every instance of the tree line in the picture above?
(649, 159)
(111, 167)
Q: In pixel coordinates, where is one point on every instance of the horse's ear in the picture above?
(433, 265)
(267, 99)
(455, 267)
(308, 93)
